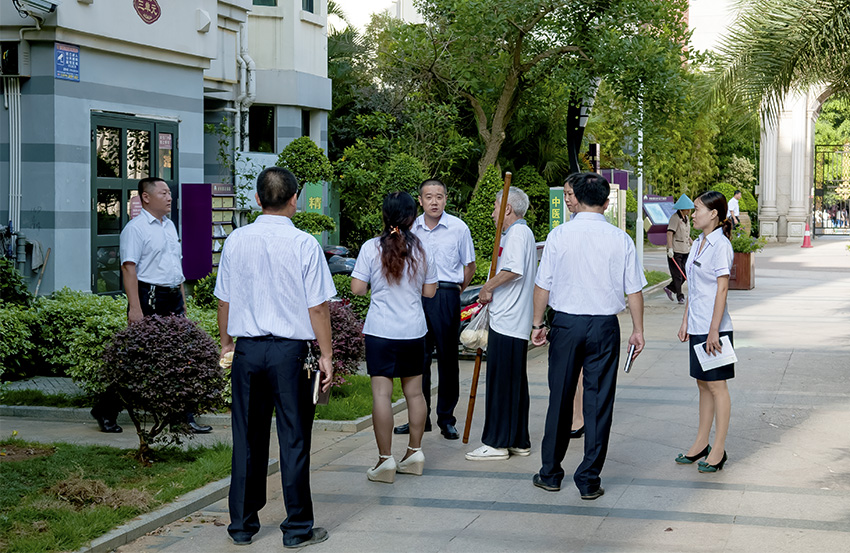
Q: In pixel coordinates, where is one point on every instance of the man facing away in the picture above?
(449, 243)
(152, 270)
(586, 269)
(273, 288)
(509, 294)
(733, 213)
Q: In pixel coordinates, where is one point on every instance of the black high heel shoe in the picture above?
(576, 433)
(683, 459)
(705, 467)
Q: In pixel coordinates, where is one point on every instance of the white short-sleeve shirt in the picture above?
(271, 273)
(449, 245)
(512, 308)
(155, 249)
(703, 269)
(733, 208)
(395, 311)
(587, 266)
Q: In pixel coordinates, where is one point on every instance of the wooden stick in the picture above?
(43, 265)
(493, 262)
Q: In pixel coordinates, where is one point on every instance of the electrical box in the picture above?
(15, 59)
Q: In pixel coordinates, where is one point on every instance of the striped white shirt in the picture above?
(587, 266)
(449, 244)
(271, 273)
(396, 309)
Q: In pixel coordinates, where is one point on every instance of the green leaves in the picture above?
(306, 161)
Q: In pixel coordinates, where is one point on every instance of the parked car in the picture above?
(338, 260)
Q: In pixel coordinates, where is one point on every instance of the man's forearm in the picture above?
(636, 310)
(541, 300)
(468, 273)
(131, 285)
(503, 277)
(222, 316)
(320, 319)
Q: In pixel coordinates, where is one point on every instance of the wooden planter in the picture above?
(743, 274)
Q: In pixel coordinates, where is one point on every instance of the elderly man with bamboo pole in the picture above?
(509, 294)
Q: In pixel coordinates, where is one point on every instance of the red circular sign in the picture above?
(148, 10)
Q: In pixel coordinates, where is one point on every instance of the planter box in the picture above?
(743, 274)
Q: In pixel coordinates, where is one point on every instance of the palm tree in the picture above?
(776, 46)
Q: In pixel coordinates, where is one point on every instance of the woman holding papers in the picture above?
(706, 322)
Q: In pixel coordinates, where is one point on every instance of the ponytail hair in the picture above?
(400, 248)
(717, 201)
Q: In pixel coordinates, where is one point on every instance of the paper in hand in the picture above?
(725, 357)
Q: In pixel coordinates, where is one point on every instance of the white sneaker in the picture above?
(487, 453)
(521, 451)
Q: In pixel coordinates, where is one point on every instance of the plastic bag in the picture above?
(474, 336)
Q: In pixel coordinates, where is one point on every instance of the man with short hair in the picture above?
(509, 294)
(587, 267)
(449, 243)
(733, 213)
(273, 288)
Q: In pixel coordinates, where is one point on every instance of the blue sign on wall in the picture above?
(67, 58)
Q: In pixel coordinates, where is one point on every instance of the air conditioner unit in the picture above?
(15, 59)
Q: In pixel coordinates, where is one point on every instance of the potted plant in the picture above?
(743, 273)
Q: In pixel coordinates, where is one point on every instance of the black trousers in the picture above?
(442, 312)
(507, 402)
(268, 373)
(576, 341)
(154, 300)
(676, 275)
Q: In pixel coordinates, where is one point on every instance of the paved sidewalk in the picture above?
(786, 486)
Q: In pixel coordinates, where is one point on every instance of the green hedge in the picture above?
(359, 304)
(748, 201)
(16, 346)
(479, 218)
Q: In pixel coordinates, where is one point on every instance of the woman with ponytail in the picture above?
(706, 319)
(400, 274)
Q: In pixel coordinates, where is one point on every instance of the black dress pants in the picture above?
(507, 402)
(676, 274)
(442, 312)
(576, 341)
(268, 373)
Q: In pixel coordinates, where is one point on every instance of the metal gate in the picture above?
(831, 199)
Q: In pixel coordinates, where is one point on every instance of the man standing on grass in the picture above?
(273, 287)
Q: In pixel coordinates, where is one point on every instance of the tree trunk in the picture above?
(491, 154)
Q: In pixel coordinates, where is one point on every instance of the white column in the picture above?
(798, 211)
(768, 214)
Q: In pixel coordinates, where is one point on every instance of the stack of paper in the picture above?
(725, 357)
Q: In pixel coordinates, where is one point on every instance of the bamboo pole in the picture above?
(494, 260)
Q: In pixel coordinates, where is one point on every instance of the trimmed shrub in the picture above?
(358, 304)
(203, 292)
(403, 173)
(349, 344)
(16, 348)
(313, 223)
(162, 367)
(530, 181)
(13, 289)
(478, 218)
(748, 201)
(306, 161)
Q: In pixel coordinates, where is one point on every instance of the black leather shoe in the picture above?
(576, 433)
(538, 481)
(600, 491)
(200, 428)
(106, 425)
(405, 428)
(319, 535)
(242, 539)
(449, 432)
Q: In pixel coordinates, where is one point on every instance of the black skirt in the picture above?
(394, 358)
(720, 373)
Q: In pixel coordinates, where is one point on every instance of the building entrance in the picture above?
(831, 198)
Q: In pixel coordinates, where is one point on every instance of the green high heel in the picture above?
(683, 459)
(705, 467)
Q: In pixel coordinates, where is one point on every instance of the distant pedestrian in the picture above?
(509, 294)
(705, 321)
(273, 287)
(396, 265)
(589, 268)
(678, 246)
(734, 209)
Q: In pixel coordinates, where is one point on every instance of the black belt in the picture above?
(269, 338)
(444, 285)
(161, 289)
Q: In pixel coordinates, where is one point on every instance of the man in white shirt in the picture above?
(448, 242)
(734, 211)
(509, 294)
(273, 287)
(587, 267)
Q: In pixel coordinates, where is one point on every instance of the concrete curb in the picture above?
(188, 504)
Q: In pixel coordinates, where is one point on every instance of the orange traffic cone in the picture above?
(807, 238)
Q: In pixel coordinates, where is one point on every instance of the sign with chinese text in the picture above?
(67, 61)
(556, 207)
(148, 10)
(314, 201)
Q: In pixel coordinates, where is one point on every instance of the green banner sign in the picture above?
(557, 209)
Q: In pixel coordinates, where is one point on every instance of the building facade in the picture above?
(101, 93)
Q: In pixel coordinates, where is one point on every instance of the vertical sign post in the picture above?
(314, 201)
(556, 207)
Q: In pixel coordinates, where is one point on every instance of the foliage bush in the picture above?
(748, 201)
(740, 173)
(349, 345)
(161, 368)
(13, 289)
(742, 242)
(631, 201)
(306, 161)
(16, 347)
(404, 173)
(358, 304)
(530, 181)
(481, 226)
(203, 292)
(313, 223)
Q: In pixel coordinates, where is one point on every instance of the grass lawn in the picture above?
(654, 277)
(353, 399)
(57, 497)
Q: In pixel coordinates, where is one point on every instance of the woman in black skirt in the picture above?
(706, 320)
(396, 266)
